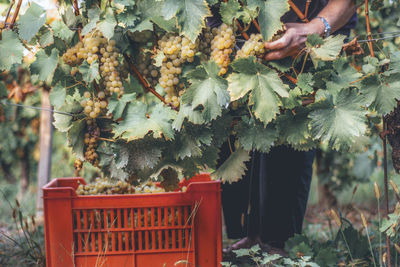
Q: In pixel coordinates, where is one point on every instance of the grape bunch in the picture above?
(149, 187)
(92, 107)
(222, 46)
(205, 43)
(103, 186)
(95, 47)
(177, 50)
(91, 136)
(147, 69)
(252, 47)
(78, 164)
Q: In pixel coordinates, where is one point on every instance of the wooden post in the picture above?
(45, 146)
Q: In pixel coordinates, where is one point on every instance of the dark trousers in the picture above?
(273, 195)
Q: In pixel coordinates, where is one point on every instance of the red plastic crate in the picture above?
(142, 230)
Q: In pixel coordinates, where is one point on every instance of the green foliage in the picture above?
(45, 65)
(31, 21)
(11, 50)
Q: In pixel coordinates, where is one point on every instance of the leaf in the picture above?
(57, 95)
(45, 65)
(381, 92)
(233, 169)
(253, 135)
(62, 31)
(189, 14)
(136, 124)
(186, 111)
(207, 90)
(344, 75)
(143, 154)
(327, 257)
(151, 10)
(76, 137)
(230, 10)
(329, 50)
(31, 21)
(338, 121)
(63, 122)
(262, 83)
(294, 99)
(242, 252)
(46, 39)
(129, 18)
(89, 72)
(11, 50)
(3, 90)
(305, 82)
(394, 65)
(270, 15)
(94, 16)
(294, 129)
(116, 106)
(107, 26)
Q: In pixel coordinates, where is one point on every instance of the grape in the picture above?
(252, 47)
(222, 46)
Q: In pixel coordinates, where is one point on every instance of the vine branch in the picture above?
(8, 12)
(14, 18)
(76, 7)
(142, 80)
(297, 11)
(369, 35)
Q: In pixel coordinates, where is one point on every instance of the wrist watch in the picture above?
(328, 28)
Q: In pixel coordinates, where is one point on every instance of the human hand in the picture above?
(293, 40)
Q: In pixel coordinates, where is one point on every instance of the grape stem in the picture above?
(106, 139)
(371, 49)
(14, 18)
(143, 80)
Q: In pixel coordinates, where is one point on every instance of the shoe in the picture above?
(246, 242)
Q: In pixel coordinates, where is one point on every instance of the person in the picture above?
(275, 189)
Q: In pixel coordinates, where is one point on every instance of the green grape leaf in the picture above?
(94, 16)
(381, 92)
(125, 2)
(151, 10)
(45, 65)
(329, 50)
(116, 106)
(314, 40)
(76, 137)
(46, 39)
(233, 169)
(63, 122)
(294, 128)
(270, 15)
(207, 90)
(186, 111)
(212, 2)
(61, 30)
(394, 65)
(305, 82)
(262, 83)
(139, 121)
(294, 99)
(230, 10)
(57, 95)
(327, 257)
(11, 50)
(129, 18)
(253, 135)
(338, 121)
(344, 77)
(144, 154)
(89, 72)
(107, 25)
(189, 14)
(31, 21)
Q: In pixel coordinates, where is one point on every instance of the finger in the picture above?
(281, 43)
(278, 54)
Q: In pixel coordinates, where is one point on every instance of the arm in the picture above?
(336, 12)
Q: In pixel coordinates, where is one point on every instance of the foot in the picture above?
(246, 242)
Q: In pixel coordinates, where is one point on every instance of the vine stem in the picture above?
(76, 7)
(388, 257)
(297, 11)
(8, 12)
(243, 33)
(143, 80)
(14, 18)
(307, 6)
(106, 139)
(369, 35)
